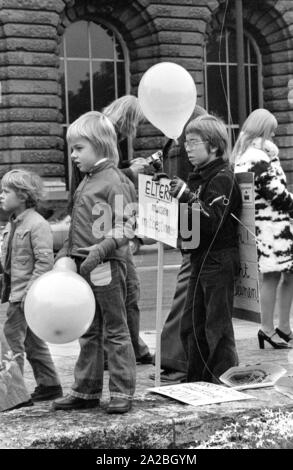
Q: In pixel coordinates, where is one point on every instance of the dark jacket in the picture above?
(218, 229)
(102, 195)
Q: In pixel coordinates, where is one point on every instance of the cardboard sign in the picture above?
(157, 211)
(246, 286)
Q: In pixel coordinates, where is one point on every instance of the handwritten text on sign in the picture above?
(157, 211)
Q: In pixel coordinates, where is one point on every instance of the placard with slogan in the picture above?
(246, 287)
(157, 211)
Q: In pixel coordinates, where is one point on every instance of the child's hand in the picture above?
(180, 190)
(96, 255)
(22, 302)
(92, 260)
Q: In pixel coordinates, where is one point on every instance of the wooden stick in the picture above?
(160, 273)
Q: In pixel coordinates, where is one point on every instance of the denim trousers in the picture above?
(22, 340)
(110, 319)
(132, 309)
(206, 326)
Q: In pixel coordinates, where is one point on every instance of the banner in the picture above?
(246, 286)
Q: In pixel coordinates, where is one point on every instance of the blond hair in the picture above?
(25, 182)
(213, 131)
(126, 114)
(99, 131)
(260, 123)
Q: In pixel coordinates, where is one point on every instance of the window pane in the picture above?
(217, 100)
(247, 87)
(121, 78)
(62, 47)
(77, 40)
(78, 88)
(119, 50)
(213, 48)
(232, 46)
(61, 80)
(103, 84)
(254, 88)
(102, 42)
(233, 93)
(253, 56)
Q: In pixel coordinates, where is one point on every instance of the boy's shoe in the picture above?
(119, 405)
(73, 403)
(44, 392)
(146, 359)
(170, 377)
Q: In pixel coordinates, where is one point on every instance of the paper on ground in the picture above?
(259, 375)
(200, 393)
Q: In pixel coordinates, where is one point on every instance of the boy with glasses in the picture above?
(206, 325)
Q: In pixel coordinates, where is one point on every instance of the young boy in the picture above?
(206, 325)
(100, 251)
(27, 252)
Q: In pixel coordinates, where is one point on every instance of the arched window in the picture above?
(93, 69)
(220, 68)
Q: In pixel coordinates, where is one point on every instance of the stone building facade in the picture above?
(32, 49)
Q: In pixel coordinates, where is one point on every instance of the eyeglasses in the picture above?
(193, 142)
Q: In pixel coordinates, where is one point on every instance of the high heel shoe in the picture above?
(284, 335)
(262, 337)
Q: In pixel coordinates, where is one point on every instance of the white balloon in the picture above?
(167, 96)
(59, 306)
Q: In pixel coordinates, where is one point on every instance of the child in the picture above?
(255, 152)
(125, 114)
(93, 141)
(206, 325)
(27, 252)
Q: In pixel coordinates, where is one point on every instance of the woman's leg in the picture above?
(268, 292)
(284, 302)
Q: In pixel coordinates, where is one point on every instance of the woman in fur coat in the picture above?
(255, 152)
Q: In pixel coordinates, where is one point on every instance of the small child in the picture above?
(206, 325)
(100, 251)
(27, 252)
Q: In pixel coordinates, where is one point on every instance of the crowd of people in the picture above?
(198, 341)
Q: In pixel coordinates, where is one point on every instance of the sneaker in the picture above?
(146, 359)
(44, 392)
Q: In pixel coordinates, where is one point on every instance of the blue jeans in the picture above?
(206, 326)
(21, 339)
(110, 313)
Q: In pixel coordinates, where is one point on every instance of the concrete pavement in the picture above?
(155, 422)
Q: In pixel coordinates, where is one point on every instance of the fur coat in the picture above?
(273, 206)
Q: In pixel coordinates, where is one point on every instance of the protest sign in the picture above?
(246, 286)
(157, 211)
(200, 393)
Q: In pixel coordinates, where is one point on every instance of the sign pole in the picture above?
(160, 272)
